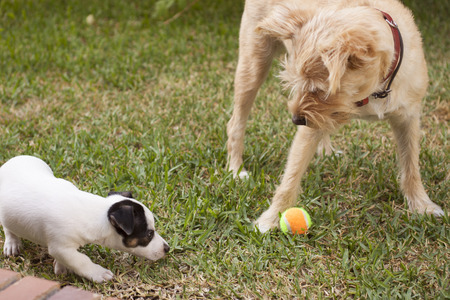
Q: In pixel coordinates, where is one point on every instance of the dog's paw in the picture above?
(267, 221)
(438, 212)
(100, 274)
(60, 269)
(243, 175)
(239, 173)
(423, 205)
(263, 228)
(328, 151)
(11, 248)
(432, 209)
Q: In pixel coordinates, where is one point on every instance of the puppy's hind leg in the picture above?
(12, 244)
(69, 259)
(255, 58)
(407, 134)
(302, 151)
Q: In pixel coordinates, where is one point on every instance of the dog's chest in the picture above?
(377, 109)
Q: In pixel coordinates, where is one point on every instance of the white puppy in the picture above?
(52, 212)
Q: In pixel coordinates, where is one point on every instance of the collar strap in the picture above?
(398, 56)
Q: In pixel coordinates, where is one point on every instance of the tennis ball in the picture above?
(295, 220)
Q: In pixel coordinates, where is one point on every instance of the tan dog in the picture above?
(341, 53)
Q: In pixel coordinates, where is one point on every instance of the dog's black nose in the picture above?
(298, 120)
(166, 248)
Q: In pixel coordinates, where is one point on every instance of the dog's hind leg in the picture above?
(69, 259)
(407, 134)
(302, 151)
(255, 58)
(12, 244)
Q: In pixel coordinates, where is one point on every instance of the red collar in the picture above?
(398, 55)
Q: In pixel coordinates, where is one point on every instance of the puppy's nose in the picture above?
(166, 248)
(298, 120)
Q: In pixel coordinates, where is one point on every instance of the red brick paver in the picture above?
(7, 277)
(13, 287)
(69, 293)
(29, 288)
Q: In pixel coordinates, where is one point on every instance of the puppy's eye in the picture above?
(150, 234)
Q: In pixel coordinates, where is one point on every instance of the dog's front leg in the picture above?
(255, 58)
(12, 244)
(69, 259)
(59, 268)
(407, 134)
(302, 151)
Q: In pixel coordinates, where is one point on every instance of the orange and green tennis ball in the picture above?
(295, 220)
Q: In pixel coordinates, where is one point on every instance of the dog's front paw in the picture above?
(243, 175)
(59, 268)
(438, 212)
(100, 274)
(11, 247)
(431, 209)
(423, 205)
(267, 221)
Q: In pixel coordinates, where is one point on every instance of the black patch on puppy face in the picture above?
(128, 218)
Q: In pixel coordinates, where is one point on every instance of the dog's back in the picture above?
(31, 178)
(31, 199)
(22, 167)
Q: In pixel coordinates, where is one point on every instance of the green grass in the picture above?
(130, 103)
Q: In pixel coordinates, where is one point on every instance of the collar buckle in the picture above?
(391, 22)
(382, 94)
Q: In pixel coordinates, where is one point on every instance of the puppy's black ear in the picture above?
(122, 217)
(124, 194)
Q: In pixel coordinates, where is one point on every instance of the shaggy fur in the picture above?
(338, 52)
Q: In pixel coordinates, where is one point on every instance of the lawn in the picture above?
(130, 102)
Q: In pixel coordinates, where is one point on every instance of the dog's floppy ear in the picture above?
(121, 216)
(124, 194)
(350, 50)
(283, 22)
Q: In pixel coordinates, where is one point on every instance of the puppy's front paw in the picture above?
(100, 274)
(11, 247)
(59, 268)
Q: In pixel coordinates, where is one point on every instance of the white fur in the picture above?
(52, 212)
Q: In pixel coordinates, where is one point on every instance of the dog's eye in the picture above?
(318, 94)
(150, 234)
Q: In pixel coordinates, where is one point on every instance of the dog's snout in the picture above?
(299, 120)
(166, 248)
